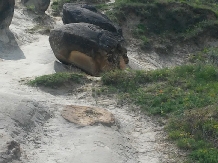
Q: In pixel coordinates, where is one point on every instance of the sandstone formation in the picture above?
(6, 13)
(38, 5)
(88, 47)
(85, 115)
(77, 13)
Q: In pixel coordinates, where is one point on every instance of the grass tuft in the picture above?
(57, 80)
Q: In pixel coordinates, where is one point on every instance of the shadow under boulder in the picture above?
(10, 50)
(8, 46)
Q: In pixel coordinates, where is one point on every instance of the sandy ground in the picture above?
(32, 116)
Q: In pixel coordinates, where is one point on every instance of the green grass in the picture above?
(196, 130)
(187, 95)
(207, 55)
(31, 8)
(57, 80)
(166, 20)
(39, 28)
(169, 90)
(58, 4)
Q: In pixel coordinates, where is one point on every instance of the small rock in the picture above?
(86, 115)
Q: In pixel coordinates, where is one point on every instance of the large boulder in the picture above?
(6, 13)
(88, 47)
(38, 5)
(77, 13)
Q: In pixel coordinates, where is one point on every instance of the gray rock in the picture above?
(96, 49)
(6, 13)
(77, 13)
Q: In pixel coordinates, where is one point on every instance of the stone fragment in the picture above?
(86, 115)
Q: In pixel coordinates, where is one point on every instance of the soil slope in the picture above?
(32, 116)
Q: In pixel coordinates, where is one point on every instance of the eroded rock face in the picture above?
(77, 13)
(6, 13)
(12, 152)
(89, 47)
(39, 5)
(85, 115)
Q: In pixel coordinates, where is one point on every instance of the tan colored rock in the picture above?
(90, 65)
(86, 115)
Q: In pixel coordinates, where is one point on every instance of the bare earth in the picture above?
(32, 116)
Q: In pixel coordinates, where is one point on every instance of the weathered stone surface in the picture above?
(88, 47)
(12, 152)
(86, 115)
(77, 13)
(38, 5)
(6, 13)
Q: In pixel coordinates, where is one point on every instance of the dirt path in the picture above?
(31, 116)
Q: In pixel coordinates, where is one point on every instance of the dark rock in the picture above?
(77, 13)
(39, 5)
(12, 152)
(88, 47)
(6, 13)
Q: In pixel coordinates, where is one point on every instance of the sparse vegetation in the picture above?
(207, 55)
(58, 4)
(196, 130)
(163, 21)
(31, 8)
(39, 28)
(187, 95)
(168, 90)
(58, 79)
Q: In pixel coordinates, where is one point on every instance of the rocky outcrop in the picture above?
(38, 5)
(77, 13)
(6, 13)
(89, 47)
